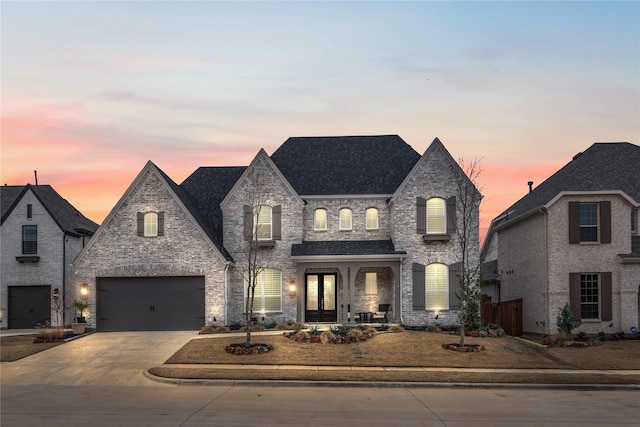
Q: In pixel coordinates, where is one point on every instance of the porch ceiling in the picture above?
(346, 250)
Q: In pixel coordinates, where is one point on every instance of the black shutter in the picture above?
(276, 222)
(605, 222)
(140, 229)
(455, 271)
(160, 223)
(248, 222)
(452, 218)
(421, 215)
(419, 301)
(606, 305)
(574, 222)
(574, 293)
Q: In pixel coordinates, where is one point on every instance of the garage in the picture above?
(150, 303)
(28, 306)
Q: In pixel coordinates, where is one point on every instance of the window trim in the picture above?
(377, 218)
(340, 218)
(315, 219)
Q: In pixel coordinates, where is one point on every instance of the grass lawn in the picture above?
(405, 353)
(16, 347)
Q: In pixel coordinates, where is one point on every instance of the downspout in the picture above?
(226, 286)
(64, 277)
(543, 211)
(400, 292)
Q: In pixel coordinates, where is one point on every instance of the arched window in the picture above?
(372, 219)
(345, 219)
(150, 224)
(437, 287)
(436, 216)
(262, 222)
(320, 219)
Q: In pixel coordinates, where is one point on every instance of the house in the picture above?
(343, 226)
(40, 236)
(573, 239)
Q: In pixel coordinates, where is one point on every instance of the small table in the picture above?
(365, 316)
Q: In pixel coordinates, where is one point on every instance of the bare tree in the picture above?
(469, 198)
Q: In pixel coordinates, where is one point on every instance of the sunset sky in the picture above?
(92, 90)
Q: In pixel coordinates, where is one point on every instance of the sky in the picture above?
(90, 91)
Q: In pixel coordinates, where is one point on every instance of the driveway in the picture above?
(106, 358)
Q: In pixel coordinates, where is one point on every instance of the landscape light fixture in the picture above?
(56, 293)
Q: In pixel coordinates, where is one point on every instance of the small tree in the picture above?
(567, 320)
(468, 206)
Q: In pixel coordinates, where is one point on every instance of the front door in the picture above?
(321, 298)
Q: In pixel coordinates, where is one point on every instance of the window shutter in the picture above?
(574, 223)
(419, 300)
(605, 222)
(574, 293)
(421, 216)
(452, 217)
(248, 222)
(454, 286)
(140, 230)
(160, 223)
(276, 220)
(606, 308)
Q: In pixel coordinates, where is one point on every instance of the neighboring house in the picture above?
(40, 236)
(345, 224)
(573, 239)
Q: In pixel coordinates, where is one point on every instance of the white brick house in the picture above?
(346, 224)
(40, 236)
(573, 239)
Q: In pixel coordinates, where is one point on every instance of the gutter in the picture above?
(547, 324)
(226, 291)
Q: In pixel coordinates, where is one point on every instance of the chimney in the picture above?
(36, 175)
(530, 184)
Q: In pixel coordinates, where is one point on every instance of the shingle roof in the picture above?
(603, 166)
(356, 247)
(205, 189)
(635, 248)
(345, 164)
(68, 218)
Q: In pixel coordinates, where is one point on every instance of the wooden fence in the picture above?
(507, 314)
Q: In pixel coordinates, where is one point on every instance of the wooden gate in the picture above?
(507, 314)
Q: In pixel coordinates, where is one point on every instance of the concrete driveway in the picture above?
(106, 358)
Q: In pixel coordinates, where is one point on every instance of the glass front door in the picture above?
(321, 298)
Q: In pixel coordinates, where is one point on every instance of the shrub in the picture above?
(396, 328)
(297, 326)
(433, 328)
(301, 336)
(283, 326)
(254, 328)
(567, 320)
(214, 330)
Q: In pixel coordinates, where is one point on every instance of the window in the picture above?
(262, 222)
(588, 222)
(345, 219)
(634, 220)
(437, 287)
(320, 219)
(589, 301)
(29, 211)
(372, 218)
(436, 216)
(29, 239)
(371, 284)
(150, 224)
(268, 292)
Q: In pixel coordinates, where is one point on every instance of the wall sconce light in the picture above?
(292, 289)
(56, 294)
(84, 290)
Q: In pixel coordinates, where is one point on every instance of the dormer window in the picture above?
(345, 219)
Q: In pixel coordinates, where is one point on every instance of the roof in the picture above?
(344, 248)
(339, 165)
(68, 218)
(635, 249)
(602, 167)
(206, 188)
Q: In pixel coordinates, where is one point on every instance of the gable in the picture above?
(345, 164)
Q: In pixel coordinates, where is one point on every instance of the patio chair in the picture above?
(381, 314)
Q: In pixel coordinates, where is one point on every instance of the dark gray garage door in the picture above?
(150, 303)
(28, 306)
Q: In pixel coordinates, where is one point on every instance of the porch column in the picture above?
(395, 267)
(344, 272)
(353, 270)
(301, 292)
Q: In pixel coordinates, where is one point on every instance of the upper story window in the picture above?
(268, 291)
(371, 283)
(372, 219)
(29, 239)
(634, 220)
(150, 224)
(436, 216)
(320, 219)
(262, 222)
(437, 287)
(345, 219)
(29, 211)
(590, 222)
